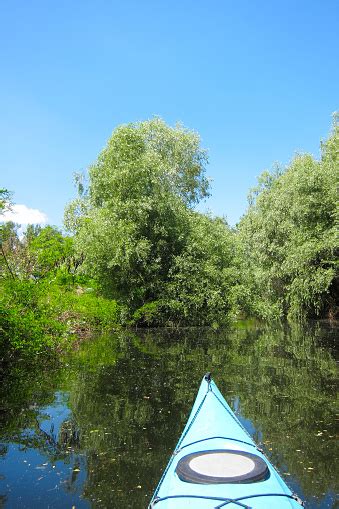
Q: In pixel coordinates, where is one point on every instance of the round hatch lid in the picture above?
(222, 466)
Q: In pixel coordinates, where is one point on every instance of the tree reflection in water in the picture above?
(129, 395)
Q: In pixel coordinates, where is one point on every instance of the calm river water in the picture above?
(97, 429)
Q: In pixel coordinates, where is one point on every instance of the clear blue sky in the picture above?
(257, 79)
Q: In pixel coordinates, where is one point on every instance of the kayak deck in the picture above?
(198, 474)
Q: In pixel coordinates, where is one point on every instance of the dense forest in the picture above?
(138, 253)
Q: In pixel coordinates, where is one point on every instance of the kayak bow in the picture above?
(216, 463)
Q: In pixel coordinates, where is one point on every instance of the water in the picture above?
(96, 429)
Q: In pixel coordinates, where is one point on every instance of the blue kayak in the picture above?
(216, 464)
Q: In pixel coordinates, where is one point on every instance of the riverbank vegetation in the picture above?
(139, 253)
(44, 302)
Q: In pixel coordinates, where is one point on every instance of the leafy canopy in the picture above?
(131, 219)
(5, 200)
(289, 234)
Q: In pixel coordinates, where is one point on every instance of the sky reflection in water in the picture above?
(97, 430)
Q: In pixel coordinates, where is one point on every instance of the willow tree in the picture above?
(289, 236)
(131, 219)
(203, 277)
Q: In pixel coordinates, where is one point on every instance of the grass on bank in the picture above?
(36, 317)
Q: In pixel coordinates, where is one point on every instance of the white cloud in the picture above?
(24, 215)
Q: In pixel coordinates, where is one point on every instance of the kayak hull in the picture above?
(213, 428)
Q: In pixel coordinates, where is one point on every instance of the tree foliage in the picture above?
(139, 238)
(199, 287)
(40, 252)
(5, 200)
(289, 236)
(48, 249)
(42, 306)
(134, 221)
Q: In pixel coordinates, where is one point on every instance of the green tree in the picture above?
(289, 236)
(131, 221)
(201, 279)
(8, 233)
(5, 200)
(39, 253)
(10, 249)
(48, 249)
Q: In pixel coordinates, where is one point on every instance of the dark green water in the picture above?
(96, 430)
